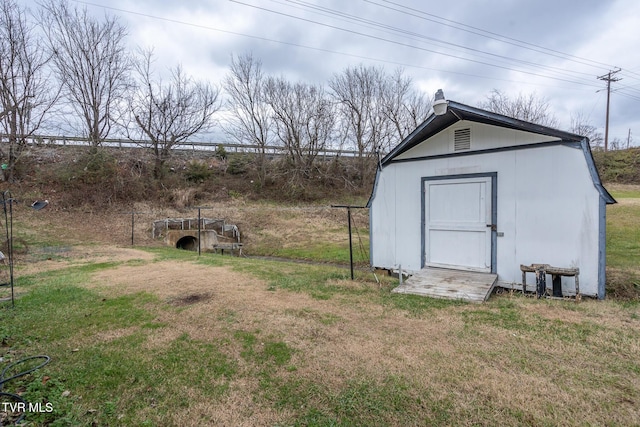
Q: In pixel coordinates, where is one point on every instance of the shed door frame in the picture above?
(494, 210)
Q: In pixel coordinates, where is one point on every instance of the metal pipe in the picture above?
(350, 242)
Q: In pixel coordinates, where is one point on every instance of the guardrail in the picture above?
(38, 140)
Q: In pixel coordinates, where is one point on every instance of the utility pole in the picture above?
(608, 78)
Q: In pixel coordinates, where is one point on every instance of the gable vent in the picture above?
(462, 139)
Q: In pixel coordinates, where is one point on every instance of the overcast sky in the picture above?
(555, 48)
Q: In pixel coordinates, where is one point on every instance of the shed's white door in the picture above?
(458, 223)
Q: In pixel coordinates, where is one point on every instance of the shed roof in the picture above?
(457, 112)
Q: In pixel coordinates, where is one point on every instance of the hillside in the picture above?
(619, 166)
(74, 177)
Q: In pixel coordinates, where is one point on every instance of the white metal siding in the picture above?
(547, 208)
(383, 221)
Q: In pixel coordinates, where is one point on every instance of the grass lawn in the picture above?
(160, 337)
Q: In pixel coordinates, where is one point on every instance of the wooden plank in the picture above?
(450, 284)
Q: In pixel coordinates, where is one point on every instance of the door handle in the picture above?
(493, 227)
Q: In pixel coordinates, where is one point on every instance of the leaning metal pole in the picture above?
(8, 225)
(348, 208)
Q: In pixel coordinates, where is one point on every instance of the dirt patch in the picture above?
(190, 299)
(171, 280)
(340, 336)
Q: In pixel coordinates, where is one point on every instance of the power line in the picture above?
(324, 11)
(318, 49)
(489, 34)
(362, 57)
(408, 45)
(627, 95)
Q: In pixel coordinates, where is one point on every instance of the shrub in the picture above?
(96, 167)
(238, 163)
(221, 153)
(197, 171)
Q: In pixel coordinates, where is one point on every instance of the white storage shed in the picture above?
(477, 191)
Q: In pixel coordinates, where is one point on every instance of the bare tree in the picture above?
(581, 126)
(26, 95)
(360, 95)
(251, 116)
(377, 110)
(530, 108)
(172, 112)
(404, 107)
(304, 120)
(92, 63)
(358, 92)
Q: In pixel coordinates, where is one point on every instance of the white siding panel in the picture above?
(409, 218)
(437, 144)
(383, 221)
(557, 217)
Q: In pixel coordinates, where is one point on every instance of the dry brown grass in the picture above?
(625, 188)
(471, 359)
(261, 225)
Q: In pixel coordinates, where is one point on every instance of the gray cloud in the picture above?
(203, 34)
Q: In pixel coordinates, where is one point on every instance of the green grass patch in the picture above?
(320, 252)
(276, 352)
(360, 401)
(623, 236)
(571, 332)
(316, 280)
(626, 193)
(173, 254)
(416, 305)
(503, 316)
(623, 248)
(59, 317)
(263, 352)
(57, 307)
